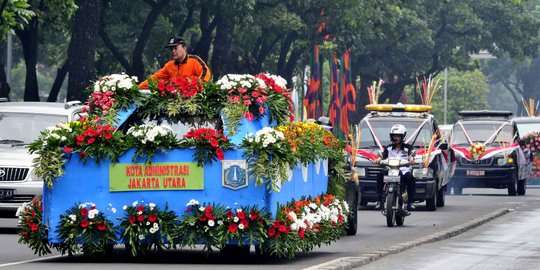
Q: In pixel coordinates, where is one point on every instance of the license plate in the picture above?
(391, 179)
(6, 194)
(476, 173)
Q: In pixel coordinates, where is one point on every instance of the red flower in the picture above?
(68, 149)
(244, 222)
(249, 116)
(107, 136)
(301, 233)
(132, 219)
(219, 154)
(33, 227)
(140, 208)
(141, 218)
(91, 140)
(233, 227)
(202, 218)
(208, 209)
(101, 226)
(271, 232)
(80, 138)
(83, 212)
(152, 217)
(84, 223)
(241, 215)
(253, 215)
(230, 214)
(214, 142)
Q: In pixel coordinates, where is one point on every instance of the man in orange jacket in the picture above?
(181, 65)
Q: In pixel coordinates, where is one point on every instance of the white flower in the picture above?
(220, 222)
(192, 202)
(139, 213)
(155, 225)
(135, 203)
(235, 219)
(91, 215)
(124, 207)
(241, 226)
(202, 208)
(73, 217)
(141, 237)
(211, 223)
(152, 206)
(113, 210)
(148, 223)
(152, 230)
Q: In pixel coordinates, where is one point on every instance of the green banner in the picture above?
(156, 176)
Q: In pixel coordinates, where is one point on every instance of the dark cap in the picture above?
(173, 41)
(522, 142)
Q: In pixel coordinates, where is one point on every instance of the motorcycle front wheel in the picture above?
(400, 217)
(390, 212)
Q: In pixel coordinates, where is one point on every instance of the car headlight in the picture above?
(33, 176)
(505, 161)
(423, 173)
(360, 171)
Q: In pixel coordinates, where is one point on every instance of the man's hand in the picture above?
(411, 160)
(377, 160)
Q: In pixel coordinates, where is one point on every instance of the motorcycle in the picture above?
(394, 197)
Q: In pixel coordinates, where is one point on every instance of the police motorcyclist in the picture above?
(403, 151)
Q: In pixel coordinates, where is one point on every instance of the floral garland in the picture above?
(208, 143)
(476, 150)
(145, 227)
(251, 96)
(86, 137)
(110, 94)
(84, 225)
(268, 156)
(300, 226)
(32, 232)
(149, 139)
(171, 97)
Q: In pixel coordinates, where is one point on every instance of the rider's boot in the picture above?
(379, 205)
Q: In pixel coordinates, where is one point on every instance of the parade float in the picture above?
(243, 174)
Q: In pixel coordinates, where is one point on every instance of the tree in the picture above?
(82, 48)
(403, 40)
(52, 14)
(14, 15)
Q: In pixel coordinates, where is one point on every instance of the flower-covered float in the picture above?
(184, 164)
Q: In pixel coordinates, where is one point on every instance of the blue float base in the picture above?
(90, 183)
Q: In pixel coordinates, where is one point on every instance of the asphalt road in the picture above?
(509, 242)
(373, 235)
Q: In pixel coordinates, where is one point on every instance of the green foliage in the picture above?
(15, 15)
(32, 231)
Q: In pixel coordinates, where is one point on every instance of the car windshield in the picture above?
(482, 133)
(381, 128)
(25, 127)
(526, 128)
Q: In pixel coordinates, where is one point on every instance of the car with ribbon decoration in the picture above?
(432, 168)
(488, 155)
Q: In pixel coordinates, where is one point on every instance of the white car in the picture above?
(21, 124)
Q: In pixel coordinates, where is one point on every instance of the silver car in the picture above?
(21, 124)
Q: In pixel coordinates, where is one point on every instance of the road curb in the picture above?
(346, 263)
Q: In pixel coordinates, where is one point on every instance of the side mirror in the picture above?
(443, 146)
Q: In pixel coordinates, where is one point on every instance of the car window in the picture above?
(526, 128)
(481, 132)
(26, 127)
(382, 126)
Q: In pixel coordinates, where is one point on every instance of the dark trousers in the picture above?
(407, 180)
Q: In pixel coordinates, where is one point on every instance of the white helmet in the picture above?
(398, 129)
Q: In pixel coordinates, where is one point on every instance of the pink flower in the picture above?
(248, 116)
(242, 90)
(261, 110)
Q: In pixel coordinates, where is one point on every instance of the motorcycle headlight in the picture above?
(423, 173)
(360, 171)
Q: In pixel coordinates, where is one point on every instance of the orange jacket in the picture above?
(192, 66)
